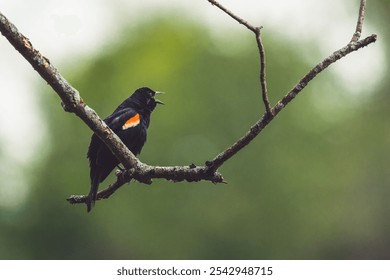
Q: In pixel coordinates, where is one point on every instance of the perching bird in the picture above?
(130, 122)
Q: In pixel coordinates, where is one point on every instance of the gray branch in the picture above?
(135, 169)
(72, 102)
(359, 24)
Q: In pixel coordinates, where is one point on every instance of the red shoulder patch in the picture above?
(133, 121)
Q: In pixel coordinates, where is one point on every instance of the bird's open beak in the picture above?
(159, 101)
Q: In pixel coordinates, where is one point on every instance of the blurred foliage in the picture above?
(314, 185)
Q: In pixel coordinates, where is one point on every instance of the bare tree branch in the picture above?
(190, 173)
(256, 31)
(237, 18)
(359, 24)
(263, 81)
(72, 102)
(135, 169)
(255, 130)
(103, 194)
(337, 55)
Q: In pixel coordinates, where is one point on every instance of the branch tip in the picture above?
(359, 23)
(233, 16)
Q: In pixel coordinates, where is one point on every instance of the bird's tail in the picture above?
(91, 198)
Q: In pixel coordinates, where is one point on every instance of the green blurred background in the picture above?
(313, 185)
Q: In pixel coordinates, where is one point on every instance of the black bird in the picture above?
(130, 122)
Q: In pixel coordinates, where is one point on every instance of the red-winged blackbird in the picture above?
(130, 122)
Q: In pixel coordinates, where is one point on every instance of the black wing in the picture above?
(101, 160)
(126, 124)
(115, 122)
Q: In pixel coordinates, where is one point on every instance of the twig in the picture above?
(263, 80)
(122, 178)
(257, 32)
(359, 24)
(337, 55)
(238, 19)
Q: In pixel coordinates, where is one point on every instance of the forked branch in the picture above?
(135, 169)
(268, 117)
